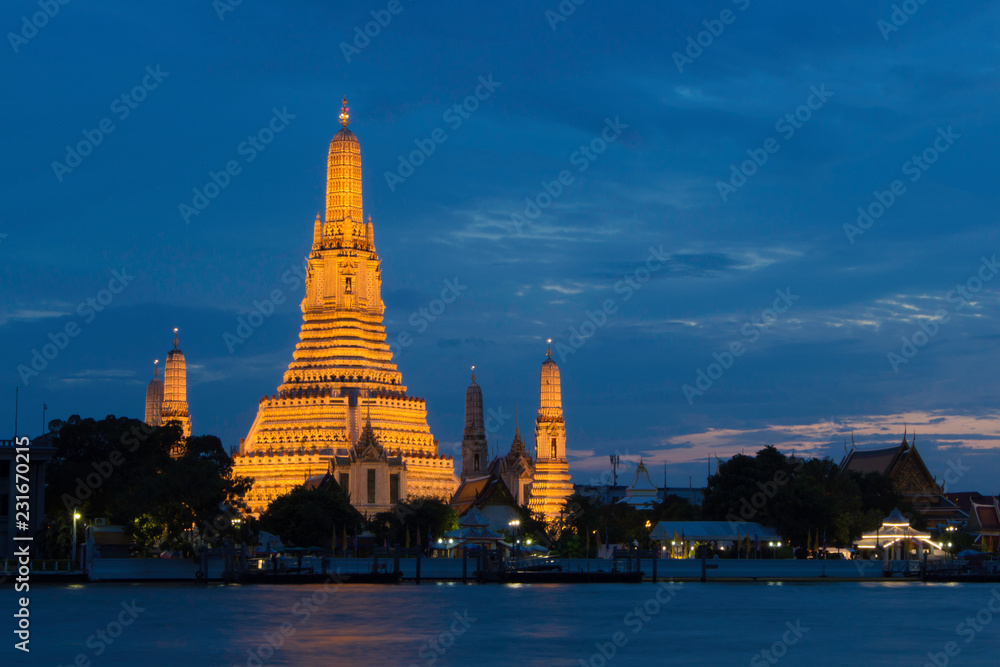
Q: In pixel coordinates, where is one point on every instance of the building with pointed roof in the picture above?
(498, 488)
(552, 484)
(643, 494)
(475, 450)
(541, 483)
(984, 522)
(154, 397)
(906, 469)
(896, 535)
(373, 479)
(175, 405)
(342, 366)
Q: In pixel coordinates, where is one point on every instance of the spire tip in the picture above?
(345, 114)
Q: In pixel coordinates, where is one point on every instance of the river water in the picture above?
(884, 623)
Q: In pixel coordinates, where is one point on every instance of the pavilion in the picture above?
(473, 530)
(687, 532)
(896, 536)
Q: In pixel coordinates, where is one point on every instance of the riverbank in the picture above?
(451, 570)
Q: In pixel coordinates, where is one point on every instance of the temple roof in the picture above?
(902, 463)
(985, 516)
(475, 492)
(877, 460)
(344, 135)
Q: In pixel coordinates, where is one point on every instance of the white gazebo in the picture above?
(896, 536)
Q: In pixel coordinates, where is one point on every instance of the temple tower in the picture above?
(175, 406)
(342, 365)
(154, 397)
(475, 452)
(552, 485)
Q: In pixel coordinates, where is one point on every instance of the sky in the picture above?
(741, 222)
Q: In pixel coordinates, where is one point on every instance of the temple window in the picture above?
(554, 449)
(394, 488)
(371, 486)
(345, 482)
(475, 463)
(347, 286)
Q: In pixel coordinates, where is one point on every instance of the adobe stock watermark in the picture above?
(751, 330)
(435, 647)
(581, 158)
(899, 17)
(967, 630)
(86, 486)
(293, 277)
(779, 649)
(455, 116)
(87, 310)
(928, 329)
(915, 168)
(713, 30)
(31, 25)
(635, 620)
(787, 125)
(249, 149)
(106, 636)
(597, 319)
(422, 318)
(562, 12)
(750, 507)
(223, 7)
(372, 29)
(121, 107)
(302, 611)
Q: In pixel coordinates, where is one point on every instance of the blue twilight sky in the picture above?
(839, 104)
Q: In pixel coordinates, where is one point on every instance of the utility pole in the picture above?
(615, 462)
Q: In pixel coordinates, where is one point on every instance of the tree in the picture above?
(308, 517)
(122, 470)
(800, 498)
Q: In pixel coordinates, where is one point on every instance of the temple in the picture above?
(906, 469)
(175, 406)
(552, 485)
(342, 370)
(154, 397)
(515, 479)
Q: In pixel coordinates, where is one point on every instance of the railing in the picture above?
(46, 565)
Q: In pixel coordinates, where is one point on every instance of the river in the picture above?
(885, 623)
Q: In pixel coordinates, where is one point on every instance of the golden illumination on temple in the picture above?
(175, 405)
(341, 372)
(551, 486)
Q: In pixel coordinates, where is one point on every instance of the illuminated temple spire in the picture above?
(343, 183)
(552, 480)
(154, 397)
(175, 406)
(342, 365)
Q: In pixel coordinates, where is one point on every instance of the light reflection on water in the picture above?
(840, 623)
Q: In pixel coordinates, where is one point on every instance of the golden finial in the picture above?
(156, 368)
(345, 114)
(175, 338)
(473, 373)
(549, 353)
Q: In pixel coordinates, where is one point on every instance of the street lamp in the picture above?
(76, 515)
(513, 525)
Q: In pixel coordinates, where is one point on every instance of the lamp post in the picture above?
(513, 525)
(76, 515)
